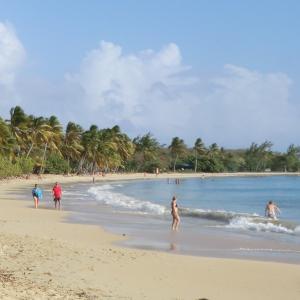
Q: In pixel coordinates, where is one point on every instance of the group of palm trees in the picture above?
(37, 138)
(40, 139)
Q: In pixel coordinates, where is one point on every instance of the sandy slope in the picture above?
(42, 257)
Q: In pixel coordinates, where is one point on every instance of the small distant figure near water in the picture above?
(93, 179)
(272, 210)
(177, 181)
(37, 195)
(57, 193)
(175, 214)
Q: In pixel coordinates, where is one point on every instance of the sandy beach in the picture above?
(44, 257)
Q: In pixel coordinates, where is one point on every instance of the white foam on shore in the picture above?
(247, 223)
(106, 195)
(267, 250)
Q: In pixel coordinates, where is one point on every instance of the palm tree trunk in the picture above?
(93, 167)
(29, 150)
(175, 163)
(68, 165)
(44, 158)
(81, 164)
(196, 162)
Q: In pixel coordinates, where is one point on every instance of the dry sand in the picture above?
(42, 257)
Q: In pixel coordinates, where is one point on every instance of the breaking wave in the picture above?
(263, 225)
(105, 195)
(226, 219)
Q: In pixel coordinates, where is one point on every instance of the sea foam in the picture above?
(255, 225)
(106, 195)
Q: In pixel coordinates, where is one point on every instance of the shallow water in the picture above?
(221, 217)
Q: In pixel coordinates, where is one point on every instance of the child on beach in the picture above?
(37, 194)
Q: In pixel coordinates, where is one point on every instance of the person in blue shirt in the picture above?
(37, 195)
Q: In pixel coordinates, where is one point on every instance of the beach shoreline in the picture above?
(44, 257)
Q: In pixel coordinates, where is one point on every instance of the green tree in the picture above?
(71, 147)
(257, 157)
(123, 147)
(292, 158)
(55, 164)
(54, 138)
(147, 147)
(38, 133)
(199, 150)
(6, 139)
(18, 127)
(177, 149)
(90, 141)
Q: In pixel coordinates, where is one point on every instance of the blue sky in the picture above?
(235, 62)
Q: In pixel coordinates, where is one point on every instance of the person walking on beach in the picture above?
(175, 214)
(37, 194)
(56, 192)
(272, 210)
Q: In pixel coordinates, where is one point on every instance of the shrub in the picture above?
(55, 164)
(25, 164)
(8, 169)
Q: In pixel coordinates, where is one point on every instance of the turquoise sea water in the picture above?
(217, 214)
(239, 194)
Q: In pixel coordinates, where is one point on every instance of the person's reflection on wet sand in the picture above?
(173, 247)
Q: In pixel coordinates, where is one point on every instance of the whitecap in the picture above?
(250, 224)
(106, 195)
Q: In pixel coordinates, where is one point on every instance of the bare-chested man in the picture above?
(272, 210)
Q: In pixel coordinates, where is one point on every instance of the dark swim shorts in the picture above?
(57, 199)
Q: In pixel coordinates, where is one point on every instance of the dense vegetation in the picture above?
(40, 145)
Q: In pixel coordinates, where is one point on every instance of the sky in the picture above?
(225, 71)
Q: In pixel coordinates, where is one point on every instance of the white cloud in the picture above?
(246, 106)
(151, 91)
(12, 56)
(155, 91)
(121, 85)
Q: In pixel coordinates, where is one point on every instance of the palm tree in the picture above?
(125, 147)
(6, 139)
(106, 154)
(38, 132)
(54, 140)
(147, 145)
(18, 126)
(90, 142)
(199, 149)
(213, 150)
(71, 144)
(178, 149)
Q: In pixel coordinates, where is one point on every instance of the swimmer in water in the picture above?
(272, 210)
(175, 214)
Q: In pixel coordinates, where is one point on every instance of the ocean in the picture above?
(220, 217)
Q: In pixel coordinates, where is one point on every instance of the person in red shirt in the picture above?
(56, 192)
